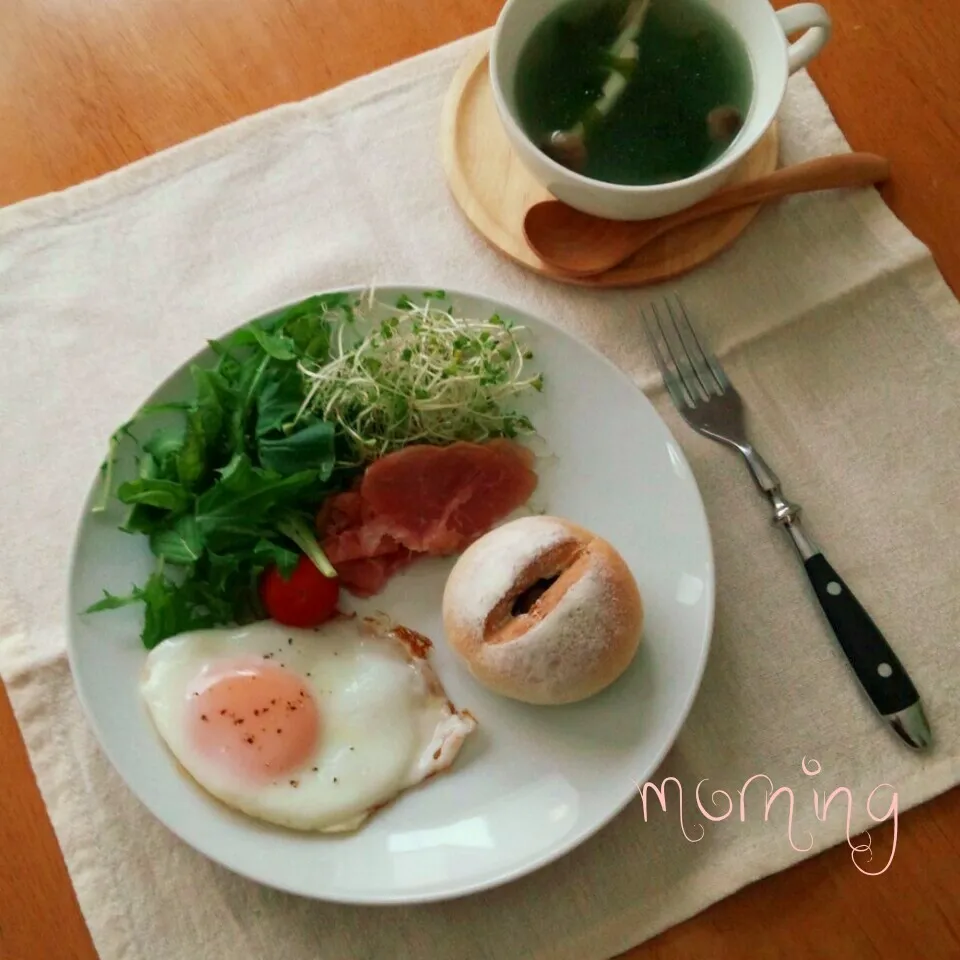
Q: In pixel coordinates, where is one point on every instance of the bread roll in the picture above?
(543, 611)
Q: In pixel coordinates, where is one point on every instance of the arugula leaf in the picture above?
(248, 380)
(230, 585)
(267, 553)
(228, 366)
(308, 324)
(147, 467)
(190, 458)
(162, 447)
(311, 447)
(145, 519)
(155, 493)
(141, 517)
(279, 401)
(204, 422)
(216, 591)
(125, 430)
(276, 345)
(182, 544)
(303, 535)
(169, 609)
(149, 409)
(317, 306)
(112, 601)
(245, 495)
(310, 331)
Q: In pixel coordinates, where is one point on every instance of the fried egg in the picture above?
(313, 730)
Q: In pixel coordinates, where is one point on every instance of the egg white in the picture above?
(385, 721)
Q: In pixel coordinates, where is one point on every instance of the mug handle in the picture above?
(817, 26)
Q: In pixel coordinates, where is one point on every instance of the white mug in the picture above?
(773, 59)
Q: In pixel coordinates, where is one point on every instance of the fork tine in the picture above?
(703, 347)
(679, 356)
(671, 380)
(694, 352)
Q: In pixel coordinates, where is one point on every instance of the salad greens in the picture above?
(293, 409)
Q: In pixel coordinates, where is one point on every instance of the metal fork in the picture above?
(708, 402)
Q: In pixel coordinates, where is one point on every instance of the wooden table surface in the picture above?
(87, 86)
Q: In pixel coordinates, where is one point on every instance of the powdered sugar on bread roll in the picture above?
(544, 611)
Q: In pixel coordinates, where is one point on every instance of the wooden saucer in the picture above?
(494, 189)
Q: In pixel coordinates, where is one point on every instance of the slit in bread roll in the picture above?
(544, 611)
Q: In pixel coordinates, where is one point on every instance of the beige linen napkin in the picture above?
(832, 319)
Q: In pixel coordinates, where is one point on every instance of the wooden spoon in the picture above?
(583, 245)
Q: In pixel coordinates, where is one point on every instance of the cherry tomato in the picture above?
(305, 600)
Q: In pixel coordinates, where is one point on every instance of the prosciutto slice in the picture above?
(422, 500)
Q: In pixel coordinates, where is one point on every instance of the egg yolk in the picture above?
(255, 719)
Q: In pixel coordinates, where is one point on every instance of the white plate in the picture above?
(531, 783)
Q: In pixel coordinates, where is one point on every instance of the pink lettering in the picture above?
(810, 772)
(891, 811)
(713, 800)
(766, 815)
(743, 790)
(661, 796)
(821, 808)
(829, 800)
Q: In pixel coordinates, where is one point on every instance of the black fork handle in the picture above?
(877, 668)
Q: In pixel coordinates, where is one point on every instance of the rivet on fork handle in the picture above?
(786, 514)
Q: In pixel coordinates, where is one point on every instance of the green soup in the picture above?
(691, 70)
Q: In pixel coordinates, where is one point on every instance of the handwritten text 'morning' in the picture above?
(723, 805)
